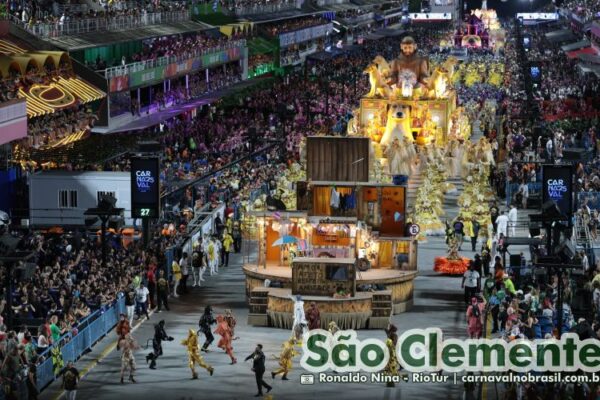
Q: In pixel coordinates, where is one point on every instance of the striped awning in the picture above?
(585, 50)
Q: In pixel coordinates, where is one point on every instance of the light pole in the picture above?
(105, 210)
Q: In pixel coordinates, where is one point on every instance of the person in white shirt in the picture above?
(61, 22)
(512, 219)
(43, 343)
(184, 263)
(585, 263)
(141, 300)
(471, 282)
(549, 147)
(218, 247)
(501, 224)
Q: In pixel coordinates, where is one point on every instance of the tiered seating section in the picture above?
(44, 78)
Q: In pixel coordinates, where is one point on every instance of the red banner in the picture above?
(178, 68)
(119, 83)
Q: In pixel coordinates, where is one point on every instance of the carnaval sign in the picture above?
(558, 186)
(145, 188)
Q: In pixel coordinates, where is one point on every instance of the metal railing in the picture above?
(87, 25)
(127, 69)
(323, 3)
(535, 189)
(581, 231)
(73, 8)
(260, 9)
(90, 331)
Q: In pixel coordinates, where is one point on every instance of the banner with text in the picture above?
(118, 83)
(303, 35)
(158, 74)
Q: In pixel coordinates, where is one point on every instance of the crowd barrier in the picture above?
(591, 199)
(535, 191)
(115, 23)
(260, 9)
(166, 60)
(73, 346)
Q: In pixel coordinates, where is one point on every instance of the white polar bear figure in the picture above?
(398, 124)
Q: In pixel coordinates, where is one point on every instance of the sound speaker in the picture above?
(577, 154)
(149, 146)
(566, 250)
(515, 260)
(550, 209)
(107, 201)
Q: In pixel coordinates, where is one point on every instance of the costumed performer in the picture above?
(285, 359)
(194, 357)
(391, 368)
(300, 324)
(123, 328)
(232, 322)
(159, 335)
(226, 337)
(398, 162)
(128, 345)
(206, 320)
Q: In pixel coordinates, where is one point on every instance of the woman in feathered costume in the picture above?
(409, 145)
(398, 160)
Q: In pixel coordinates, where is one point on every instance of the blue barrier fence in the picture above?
(591, 199)
(90, 331)
(535, 190)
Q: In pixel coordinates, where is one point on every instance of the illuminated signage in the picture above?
(558, 186)
(145, 188)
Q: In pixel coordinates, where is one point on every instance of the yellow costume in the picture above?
(193, 355)
(391, 368)
(285, 359)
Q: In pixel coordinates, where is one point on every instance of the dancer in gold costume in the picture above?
(194, 356)
(285, 359)
(391, 369)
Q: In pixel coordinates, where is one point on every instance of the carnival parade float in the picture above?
(339, 232)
